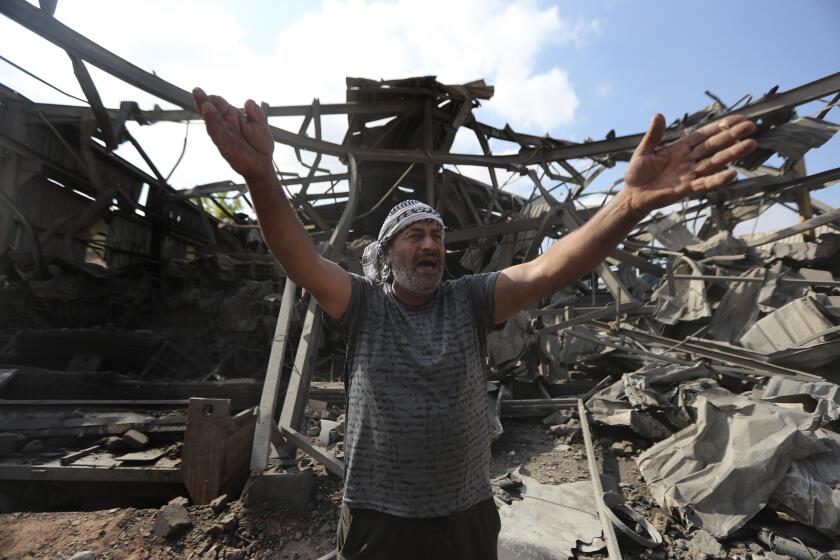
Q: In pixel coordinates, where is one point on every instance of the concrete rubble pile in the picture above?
(148, 342)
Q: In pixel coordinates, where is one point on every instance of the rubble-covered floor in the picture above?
(310, 534)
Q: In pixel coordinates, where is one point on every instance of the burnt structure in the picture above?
(125, 305)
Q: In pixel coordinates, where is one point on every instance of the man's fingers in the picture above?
(721, 158)
(723, 139)
(254, 113)
(725, 124)
(653, 135)
(199, 97)
(712, 182)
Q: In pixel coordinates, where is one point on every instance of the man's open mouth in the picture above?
(427, 264)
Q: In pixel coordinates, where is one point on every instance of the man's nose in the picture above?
(428, 242)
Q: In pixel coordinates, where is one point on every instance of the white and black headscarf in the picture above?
(400, 217)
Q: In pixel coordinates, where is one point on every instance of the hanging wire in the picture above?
(183, 151)
(43, 81)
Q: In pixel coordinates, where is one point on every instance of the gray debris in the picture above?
(218, 503)
(704, 546)
(180, 500)
(34, 446)
(171, 519)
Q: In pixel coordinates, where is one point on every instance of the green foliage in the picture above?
(232, 205)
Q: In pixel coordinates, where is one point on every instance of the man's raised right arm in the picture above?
(245, 141)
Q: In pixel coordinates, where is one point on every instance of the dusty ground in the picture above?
(127, 533)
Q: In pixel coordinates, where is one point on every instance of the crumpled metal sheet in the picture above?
(653, 387)
(720, 471)
(549, 522)
(809, 491)
(787, 327)
(797, 136)
(509, 344)
(672, 232)
(785, 390)
(718, 245)
(738, 309)
(689, 302)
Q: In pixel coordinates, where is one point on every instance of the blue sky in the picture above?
(573, 69)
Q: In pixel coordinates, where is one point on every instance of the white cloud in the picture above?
(203, 43)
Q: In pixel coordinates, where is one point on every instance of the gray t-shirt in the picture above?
(417, 440)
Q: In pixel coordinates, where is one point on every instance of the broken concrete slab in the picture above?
(549, 522)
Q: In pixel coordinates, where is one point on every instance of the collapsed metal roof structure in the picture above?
(81, 226)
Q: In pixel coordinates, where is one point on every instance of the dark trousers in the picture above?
(365, 534)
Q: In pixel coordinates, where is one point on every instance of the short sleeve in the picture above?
(482, 289)
(354, 313)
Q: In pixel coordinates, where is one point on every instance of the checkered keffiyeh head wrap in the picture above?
(400, 217)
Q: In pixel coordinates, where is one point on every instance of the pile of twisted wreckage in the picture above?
(145, 344)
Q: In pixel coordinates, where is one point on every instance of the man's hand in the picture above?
(694, 164)
(243, 139)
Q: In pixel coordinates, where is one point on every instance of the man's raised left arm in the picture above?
(656, 177)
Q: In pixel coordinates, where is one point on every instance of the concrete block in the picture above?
(135, 440)
(289, 490)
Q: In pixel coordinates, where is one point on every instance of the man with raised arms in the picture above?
(417, 445)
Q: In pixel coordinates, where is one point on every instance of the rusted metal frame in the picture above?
(574, 174)
(555, 311)
(37, 253)
(374, 108)
(831, 104)
(313, 116)
(329, 460)
(600, 313)
(494, 180)
(387, 193)
(572, 220)
(495, 229)
(545, 226)
(613, 550)
(636, 261)
(297, 390)
(736, 279)
(100, 204)
(92, 95)
(725, 195)
(443, 199)
(467, 199)
(103, 197)
(611, 343)
(509, 135)
(271, 385)
(823, 219)
(229, 186)
(548, 219)
(32, 18)
(429, 145)
(743, 358)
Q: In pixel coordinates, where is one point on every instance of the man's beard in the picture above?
(406, 278)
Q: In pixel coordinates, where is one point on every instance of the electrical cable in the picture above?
(183, 151)
(43, 81)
